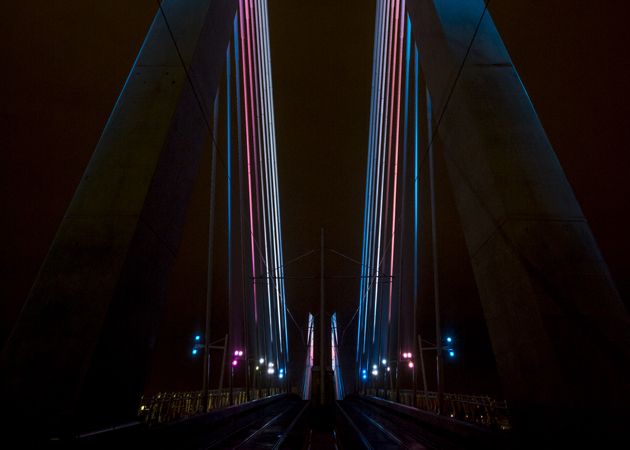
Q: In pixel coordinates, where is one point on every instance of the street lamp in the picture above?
(206, 368)
(238, 355)
(448, 347)
(197, 345)
(409, 356)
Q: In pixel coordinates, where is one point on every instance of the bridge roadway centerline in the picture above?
(268, 429)
(294, 424)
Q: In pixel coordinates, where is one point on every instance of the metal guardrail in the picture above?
(167, 407)
(480, 410)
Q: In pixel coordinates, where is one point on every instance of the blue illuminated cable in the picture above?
(263, 148)
(368, 184)
(404, 181)
(240, 157)
(375, 251)
(370, 298)
(229, 165)
(384, 151)
(372, 181)
(274, 185)
(415, 256)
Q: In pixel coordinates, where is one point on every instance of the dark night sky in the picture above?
(64, 64)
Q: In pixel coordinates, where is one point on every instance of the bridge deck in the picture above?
(287, 422)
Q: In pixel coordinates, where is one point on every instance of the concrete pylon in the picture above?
(82, 344)
(559, 331)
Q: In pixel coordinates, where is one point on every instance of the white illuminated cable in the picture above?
(397, 138)
(272, 199)
(376, 169)
(373, 179)
(367, 228)
(273, 164)
(385, 99)
(268, 174)
(275, 184)
(262, 144)
(266, 131)
(368, 184)
(375, 158)
(247, 140)
(262, 135)
(257, 137)
(271, 213)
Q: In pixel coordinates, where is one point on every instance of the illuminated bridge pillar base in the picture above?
(79, 354)
(559, 331)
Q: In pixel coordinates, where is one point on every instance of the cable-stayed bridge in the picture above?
(442, 81)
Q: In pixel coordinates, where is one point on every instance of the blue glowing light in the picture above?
(448, 339)
(197, 337)
(194, 351)
(364, 376)
(452, 353)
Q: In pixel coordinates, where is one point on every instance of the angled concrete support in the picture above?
(559, 331)
(82, 345)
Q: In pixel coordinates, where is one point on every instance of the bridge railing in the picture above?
(166, 407)
(480, 410)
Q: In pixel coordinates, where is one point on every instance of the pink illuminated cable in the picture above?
(274, 167)
(253, 131)
(256, 121)
(261, 144)
(364, 282)
(264, 162)
(391, 122)
(258, 138)
(371, 217)
(384, 151)
(379, 129)
(375, 243)
(245, 98)
(264, 166)
(402, 39)
(269, 252)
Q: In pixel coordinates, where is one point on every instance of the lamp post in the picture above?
(281, 374)
(259, 369)
(385, 370)
(206, 370)
(407, 356)
(364, 377)
(238, 355)
(374, 379)
(440, 379)
(271, 370)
